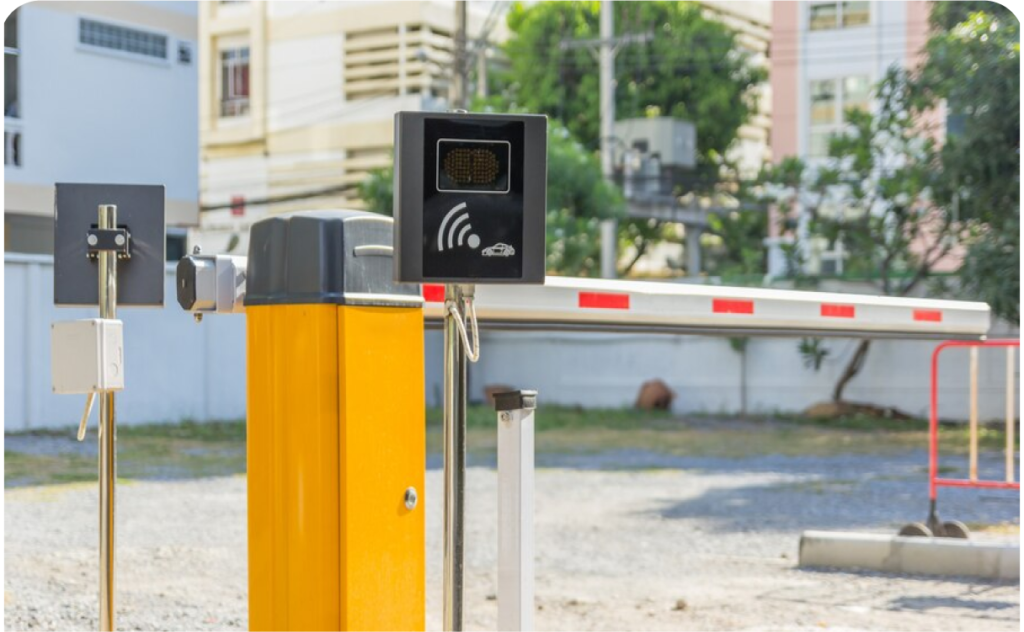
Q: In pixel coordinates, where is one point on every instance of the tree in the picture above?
(875, 193)
(737, 244)
(691, 68)
(578, 199)
(377, 190)
(973, 64)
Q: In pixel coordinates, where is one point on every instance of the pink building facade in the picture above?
(825, 57)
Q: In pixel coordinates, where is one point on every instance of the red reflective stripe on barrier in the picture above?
(928, 315)
(835, 310)
(602, 300)
(433, 293)
(723, 306)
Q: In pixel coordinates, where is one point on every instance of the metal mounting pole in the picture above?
(454, 460)
(107, 432)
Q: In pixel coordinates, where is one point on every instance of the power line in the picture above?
(291, 197)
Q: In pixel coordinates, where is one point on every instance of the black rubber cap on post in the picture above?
(315, 257)
(515, 400)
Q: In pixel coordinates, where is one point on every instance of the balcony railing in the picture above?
(12, 143)
(237, 106)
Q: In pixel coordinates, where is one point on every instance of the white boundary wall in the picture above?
(607, 370)
(176, 369)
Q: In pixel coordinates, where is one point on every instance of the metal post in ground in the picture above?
(515, 509)
(107, 431)
(454, 459)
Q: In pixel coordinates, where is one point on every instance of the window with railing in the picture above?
(830, 100)
(234, 81)
(12, 147)
(12, 61)
(838, 15)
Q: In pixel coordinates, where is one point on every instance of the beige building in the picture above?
(752, 22)
(296, 99)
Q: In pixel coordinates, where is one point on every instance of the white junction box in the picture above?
(87, 356)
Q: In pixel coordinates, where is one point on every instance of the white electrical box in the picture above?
(87, 356)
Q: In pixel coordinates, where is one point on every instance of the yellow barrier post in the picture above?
(336, 434)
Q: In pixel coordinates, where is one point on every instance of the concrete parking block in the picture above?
(909, 555)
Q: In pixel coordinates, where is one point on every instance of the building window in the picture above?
(12, 147)
(121, 38)
(12, 54)
(234, 82)
(184, 53)
(833, 15)
(830, 99)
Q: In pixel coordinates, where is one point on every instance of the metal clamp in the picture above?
(116, 240)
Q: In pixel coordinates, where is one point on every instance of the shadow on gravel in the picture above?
(944, 603)
(971, 598)
(839, 493)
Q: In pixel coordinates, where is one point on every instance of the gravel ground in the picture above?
(625, 540)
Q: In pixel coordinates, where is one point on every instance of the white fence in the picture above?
(178, 370)
(709, 376)
(175, 369)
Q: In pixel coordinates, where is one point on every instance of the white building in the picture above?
(99, 92)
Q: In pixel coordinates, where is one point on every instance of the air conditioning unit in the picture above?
(672, 141)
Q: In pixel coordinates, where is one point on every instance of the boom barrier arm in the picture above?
(216, 283)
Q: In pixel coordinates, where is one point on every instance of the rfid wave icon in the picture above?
(455, 232)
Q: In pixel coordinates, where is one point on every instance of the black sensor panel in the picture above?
(470, 197)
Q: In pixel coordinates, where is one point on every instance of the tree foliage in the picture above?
(900, 201)
(691, 68)
(377, 191)
(875, 194)
(973, 64)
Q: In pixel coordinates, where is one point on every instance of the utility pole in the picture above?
(460, 75)
(609, 227)
(607, 45)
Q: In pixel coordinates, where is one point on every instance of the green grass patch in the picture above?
(209, 431)
(193, 449)
(39, 469)
(145, 452)
(561, 418)
(565, 430)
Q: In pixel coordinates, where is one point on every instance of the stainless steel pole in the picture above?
(107, 432)
(454, 460)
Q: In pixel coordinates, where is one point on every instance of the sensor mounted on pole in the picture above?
(470, 197)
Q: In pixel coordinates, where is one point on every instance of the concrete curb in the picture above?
(910, 555)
